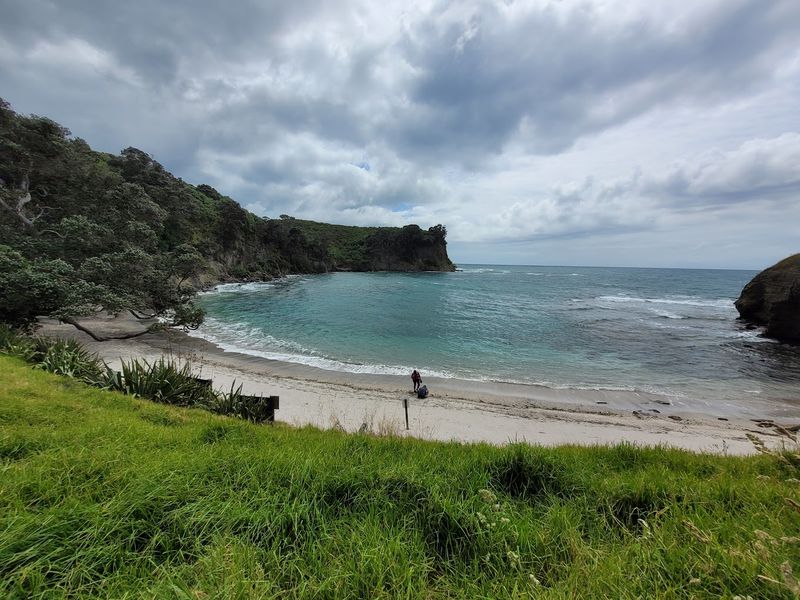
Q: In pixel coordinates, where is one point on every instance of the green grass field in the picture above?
(104, 495)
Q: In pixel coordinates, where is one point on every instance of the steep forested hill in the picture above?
(81, 229)
(98, 200)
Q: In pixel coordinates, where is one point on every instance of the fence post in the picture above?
(273, 403)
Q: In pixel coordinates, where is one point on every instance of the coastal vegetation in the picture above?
(164, 381)
(109, 495)
(83, 232)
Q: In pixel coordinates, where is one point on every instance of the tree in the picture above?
(112, 283)
(96, 245)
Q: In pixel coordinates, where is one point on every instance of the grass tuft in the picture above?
(527, 472)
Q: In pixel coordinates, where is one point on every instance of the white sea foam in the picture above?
(677, 300)
(251, 286)
(664, 325)
(752, 335)
(486, 270)
(666, 314)
(234, 288)
(253, 342)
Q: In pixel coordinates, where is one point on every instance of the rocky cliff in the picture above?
(349, 248)
(408, 249)
(772, 299)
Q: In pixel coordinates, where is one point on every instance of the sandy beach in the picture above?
(464, 411)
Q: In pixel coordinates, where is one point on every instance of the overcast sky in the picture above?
(651, 133)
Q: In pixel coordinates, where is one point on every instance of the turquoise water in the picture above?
(668, 331)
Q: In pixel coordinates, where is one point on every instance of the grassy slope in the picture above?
(105, 495)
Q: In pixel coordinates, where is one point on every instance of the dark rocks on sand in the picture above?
(772, 299)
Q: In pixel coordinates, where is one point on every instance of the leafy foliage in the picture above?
(78, 237)
(65, 357)
(234, 403)
(161, 381)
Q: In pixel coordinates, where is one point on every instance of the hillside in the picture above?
(75, 191)
(105, 495)
(82, 230)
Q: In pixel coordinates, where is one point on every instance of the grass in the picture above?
(109, 496)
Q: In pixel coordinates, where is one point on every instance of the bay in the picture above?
(672, 332)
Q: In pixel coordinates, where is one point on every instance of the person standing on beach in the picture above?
(416, 378)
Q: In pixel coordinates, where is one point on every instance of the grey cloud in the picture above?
(539, 77)
(758, 169)
(154, 37)
(553, 79)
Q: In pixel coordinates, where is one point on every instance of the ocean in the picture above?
(671, 332)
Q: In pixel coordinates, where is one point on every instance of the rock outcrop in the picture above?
(772, 299)
(408, 249)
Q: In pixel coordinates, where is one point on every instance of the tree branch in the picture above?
(53, 232)
(22, 200)
(102, 338)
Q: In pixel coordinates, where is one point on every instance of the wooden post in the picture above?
(261, 409)
(405, 406)
(273, 403)
(203, 382)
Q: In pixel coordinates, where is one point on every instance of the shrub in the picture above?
(161, 381)
(60, 356)
(234, 403)
(14, 342)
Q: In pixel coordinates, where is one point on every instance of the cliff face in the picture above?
(349, 248)
(772, 299)
(407, 249)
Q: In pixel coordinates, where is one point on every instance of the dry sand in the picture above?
(465, 411)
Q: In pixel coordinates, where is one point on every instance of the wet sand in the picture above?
(466, 411)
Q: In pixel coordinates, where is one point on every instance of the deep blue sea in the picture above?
(669, 331)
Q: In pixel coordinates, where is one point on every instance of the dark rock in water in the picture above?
(772, 299)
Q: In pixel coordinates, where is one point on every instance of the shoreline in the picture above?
(456, 410)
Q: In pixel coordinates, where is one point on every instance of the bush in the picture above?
(161, 381)
(14, 342)
(60, 356)
(66, 357)
(233, 403)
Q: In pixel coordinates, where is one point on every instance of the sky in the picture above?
(596, 132)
